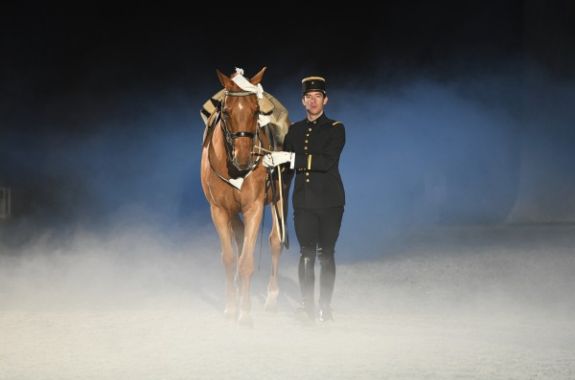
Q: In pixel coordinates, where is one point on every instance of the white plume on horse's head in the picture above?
(246, 85)
(253, 85)
(237, 80)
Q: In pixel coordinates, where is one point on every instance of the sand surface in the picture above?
(464, 304)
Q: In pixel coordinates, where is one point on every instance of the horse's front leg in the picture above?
(222, 221)
(252, 220)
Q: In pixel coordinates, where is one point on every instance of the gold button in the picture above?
(307, 180)
(309, 129)
(305, 147)
(306, 173)
(306, 141)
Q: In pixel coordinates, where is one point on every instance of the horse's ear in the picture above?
(224, 80)
(258, 77)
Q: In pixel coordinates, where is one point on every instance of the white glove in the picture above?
(278, 158)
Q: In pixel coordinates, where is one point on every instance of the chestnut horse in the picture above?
(236, 183)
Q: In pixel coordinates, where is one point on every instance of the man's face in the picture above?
(314, 101)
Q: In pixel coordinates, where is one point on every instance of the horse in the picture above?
(237, 187)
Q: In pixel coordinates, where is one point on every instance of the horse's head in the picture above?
(239, 118)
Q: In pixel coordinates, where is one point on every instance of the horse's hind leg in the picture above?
(238, 230)
(222, 222)
(276, 248)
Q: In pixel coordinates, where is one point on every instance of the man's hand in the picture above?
(278, 158)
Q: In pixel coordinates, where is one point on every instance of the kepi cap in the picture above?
(313, 83)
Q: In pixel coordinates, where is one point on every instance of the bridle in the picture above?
(231, 136)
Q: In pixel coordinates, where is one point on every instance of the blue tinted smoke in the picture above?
(482, 149)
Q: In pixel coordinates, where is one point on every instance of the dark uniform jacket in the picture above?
(317, 145)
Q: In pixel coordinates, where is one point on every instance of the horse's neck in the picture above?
(217, 151)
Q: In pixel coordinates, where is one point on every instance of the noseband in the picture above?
(231, 136)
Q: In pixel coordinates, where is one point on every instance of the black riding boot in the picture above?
(307, 281)
(326, 281)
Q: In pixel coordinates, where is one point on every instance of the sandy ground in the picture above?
(451, 304)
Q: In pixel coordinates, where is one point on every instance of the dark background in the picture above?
(456, 113)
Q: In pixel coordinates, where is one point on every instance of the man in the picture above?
(313, 147)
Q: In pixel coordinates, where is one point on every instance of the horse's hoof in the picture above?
(245, 320)
(230, 314)
(271, 306)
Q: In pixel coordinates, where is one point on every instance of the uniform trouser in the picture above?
(317, 230)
